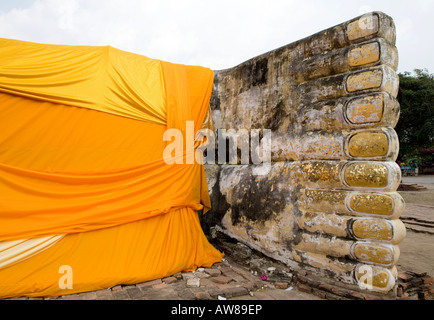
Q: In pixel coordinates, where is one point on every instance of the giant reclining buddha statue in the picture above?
(88, 200)
(328, 202)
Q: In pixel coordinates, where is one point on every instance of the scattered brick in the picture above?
(222, 279)
(417, 282)
(224, 286)
(248, 276)
(226, 269)
(159, 286)
(281, 285)
(187, 276)
(186, 294)
(207, 283)
(170, 280)
(202, 275)
(149, 283)
(304, 288)
(428, 280)
(404, 277)
(202, 296)
(344, 292)
(213, 272)
(215, 292)
(328, 287)
(117, 288)
(235, 276)
(193, 283)
(235, 292)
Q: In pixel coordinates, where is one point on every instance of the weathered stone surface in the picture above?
(326, 201)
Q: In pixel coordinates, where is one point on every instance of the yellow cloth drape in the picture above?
(127, 254)
(99, 78)
(81, 151)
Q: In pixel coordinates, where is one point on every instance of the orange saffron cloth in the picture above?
(81, 155)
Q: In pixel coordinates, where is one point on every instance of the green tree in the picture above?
(416, 123)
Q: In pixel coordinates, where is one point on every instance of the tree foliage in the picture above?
(416, 123)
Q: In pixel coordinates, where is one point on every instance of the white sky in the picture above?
(215, 34)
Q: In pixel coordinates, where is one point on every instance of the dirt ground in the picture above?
(417, 249)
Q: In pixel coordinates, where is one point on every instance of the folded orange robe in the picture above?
(81, 155)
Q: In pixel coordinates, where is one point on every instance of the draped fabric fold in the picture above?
(12, 252)
(81, 164)
(99, 78)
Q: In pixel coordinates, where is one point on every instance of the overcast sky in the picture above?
(215, 34)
